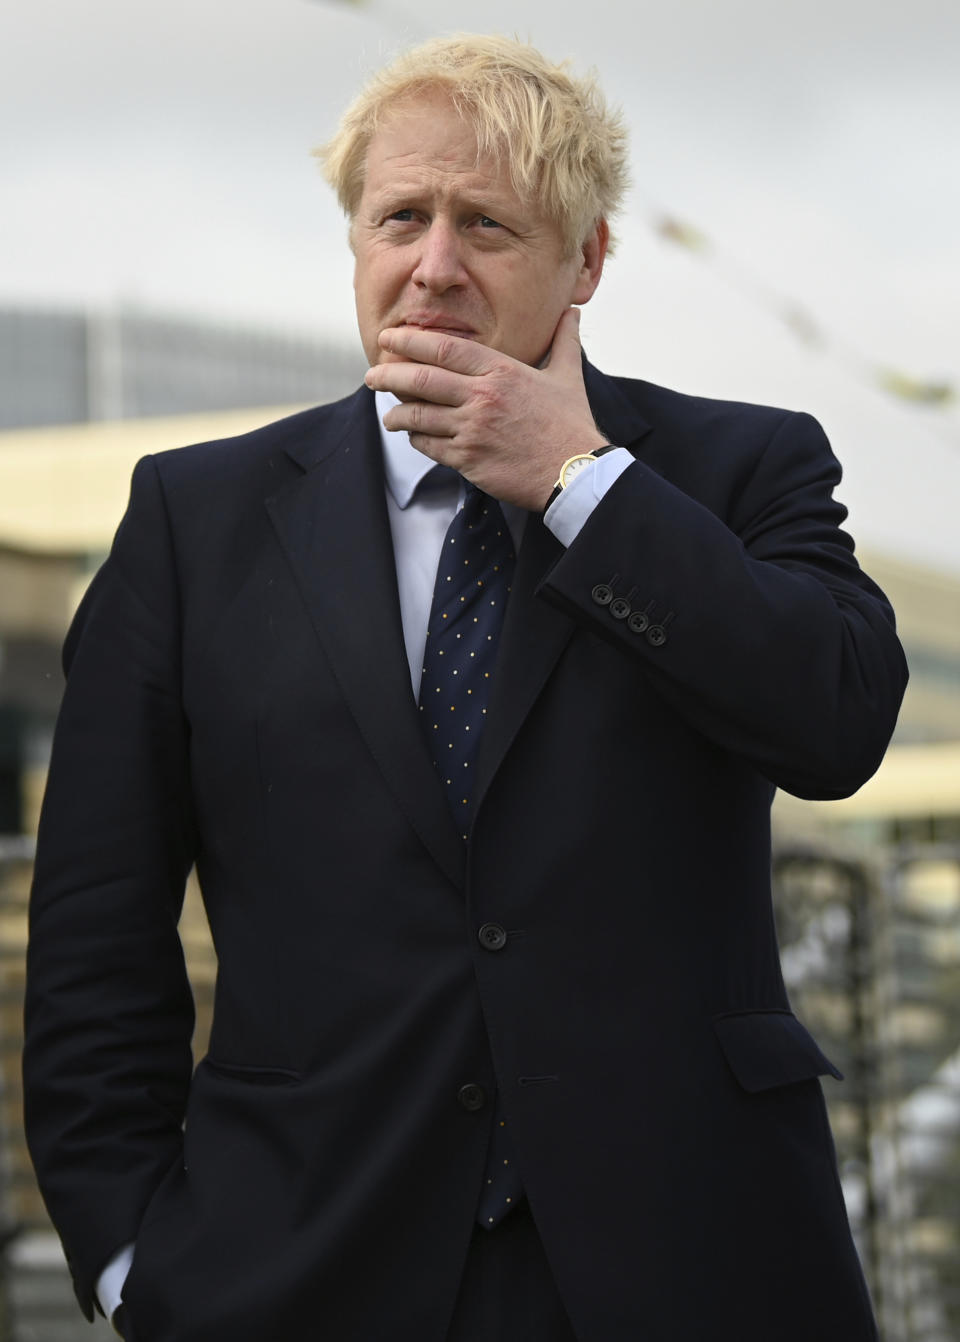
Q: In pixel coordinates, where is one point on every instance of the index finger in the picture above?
(454, 353)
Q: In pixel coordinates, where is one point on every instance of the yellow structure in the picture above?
(63, 489)
(914, 795)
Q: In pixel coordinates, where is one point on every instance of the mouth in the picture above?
(441, 325)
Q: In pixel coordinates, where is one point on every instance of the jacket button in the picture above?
(620, 608)
(638, 621)
(656, 636)
(492, 937)
(472, 1096)
(602, 594)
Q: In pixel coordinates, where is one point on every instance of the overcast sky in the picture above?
(158, 154)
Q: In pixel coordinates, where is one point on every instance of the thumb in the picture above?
(565, 351)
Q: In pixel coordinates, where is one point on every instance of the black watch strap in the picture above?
(558, 488)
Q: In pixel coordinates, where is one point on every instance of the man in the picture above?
(501, 1047)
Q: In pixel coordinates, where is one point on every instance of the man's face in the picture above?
(444, 242)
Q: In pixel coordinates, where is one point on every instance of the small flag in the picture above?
(685, 235)
(913, 389)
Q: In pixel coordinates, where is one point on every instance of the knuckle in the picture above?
(445, 349)
(487, 396)
(421, 379)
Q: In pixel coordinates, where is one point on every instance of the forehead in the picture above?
(424, 140)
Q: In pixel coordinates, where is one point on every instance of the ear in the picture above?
(592, 253)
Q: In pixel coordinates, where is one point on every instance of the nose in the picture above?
(440, 264)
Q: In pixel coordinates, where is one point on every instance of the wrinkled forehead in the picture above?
(429, 123)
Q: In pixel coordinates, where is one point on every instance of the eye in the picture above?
(404, 216)
(486, 222)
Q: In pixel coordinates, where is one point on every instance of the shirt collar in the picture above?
(403, 466)
(405, 469)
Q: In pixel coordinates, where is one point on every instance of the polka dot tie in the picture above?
(459, 662)
(459, 659)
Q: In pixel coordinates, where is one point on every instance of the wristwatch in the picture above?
(572, 468)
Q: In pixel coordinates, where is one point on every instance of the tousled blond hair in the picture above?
(563, 144)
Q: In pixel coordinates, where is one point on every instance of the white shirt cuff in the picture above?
(568, 513)
(111, 1279)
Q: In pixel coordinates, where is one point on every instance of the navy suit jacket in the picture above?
(238, 696)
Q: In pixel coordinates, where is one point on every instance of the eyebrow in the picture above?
(399, 196)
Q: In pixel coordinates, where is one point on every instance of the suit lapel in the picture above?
(536, 633)
(333, 525)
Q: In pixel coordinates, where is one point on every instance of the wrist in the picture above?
(573, 466)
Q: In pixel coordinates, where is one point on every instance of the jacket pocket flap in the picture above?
(770, 1048)
(251, 1072)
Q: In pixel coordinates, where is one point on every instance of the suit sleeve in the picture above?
(757, 626)
(109, 1012)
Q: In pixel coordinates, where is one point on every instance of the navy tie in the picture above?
(459, 661)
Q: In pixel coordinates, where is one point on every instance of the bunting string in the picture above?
(935, 394)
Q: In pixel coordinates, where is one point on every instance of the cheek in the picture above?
(528, 320)
(369, 282)
(364, 291)
(532, 295)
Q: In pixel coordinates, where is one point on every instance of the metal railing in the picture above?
(871, 953)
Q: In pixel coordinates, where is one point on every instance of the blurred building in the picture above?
(927, 602)
(68, 367)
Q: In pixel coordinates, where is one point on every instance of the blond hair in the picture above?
(563, 144)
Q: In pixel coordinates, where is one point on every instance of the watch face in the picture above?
(574, 466)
